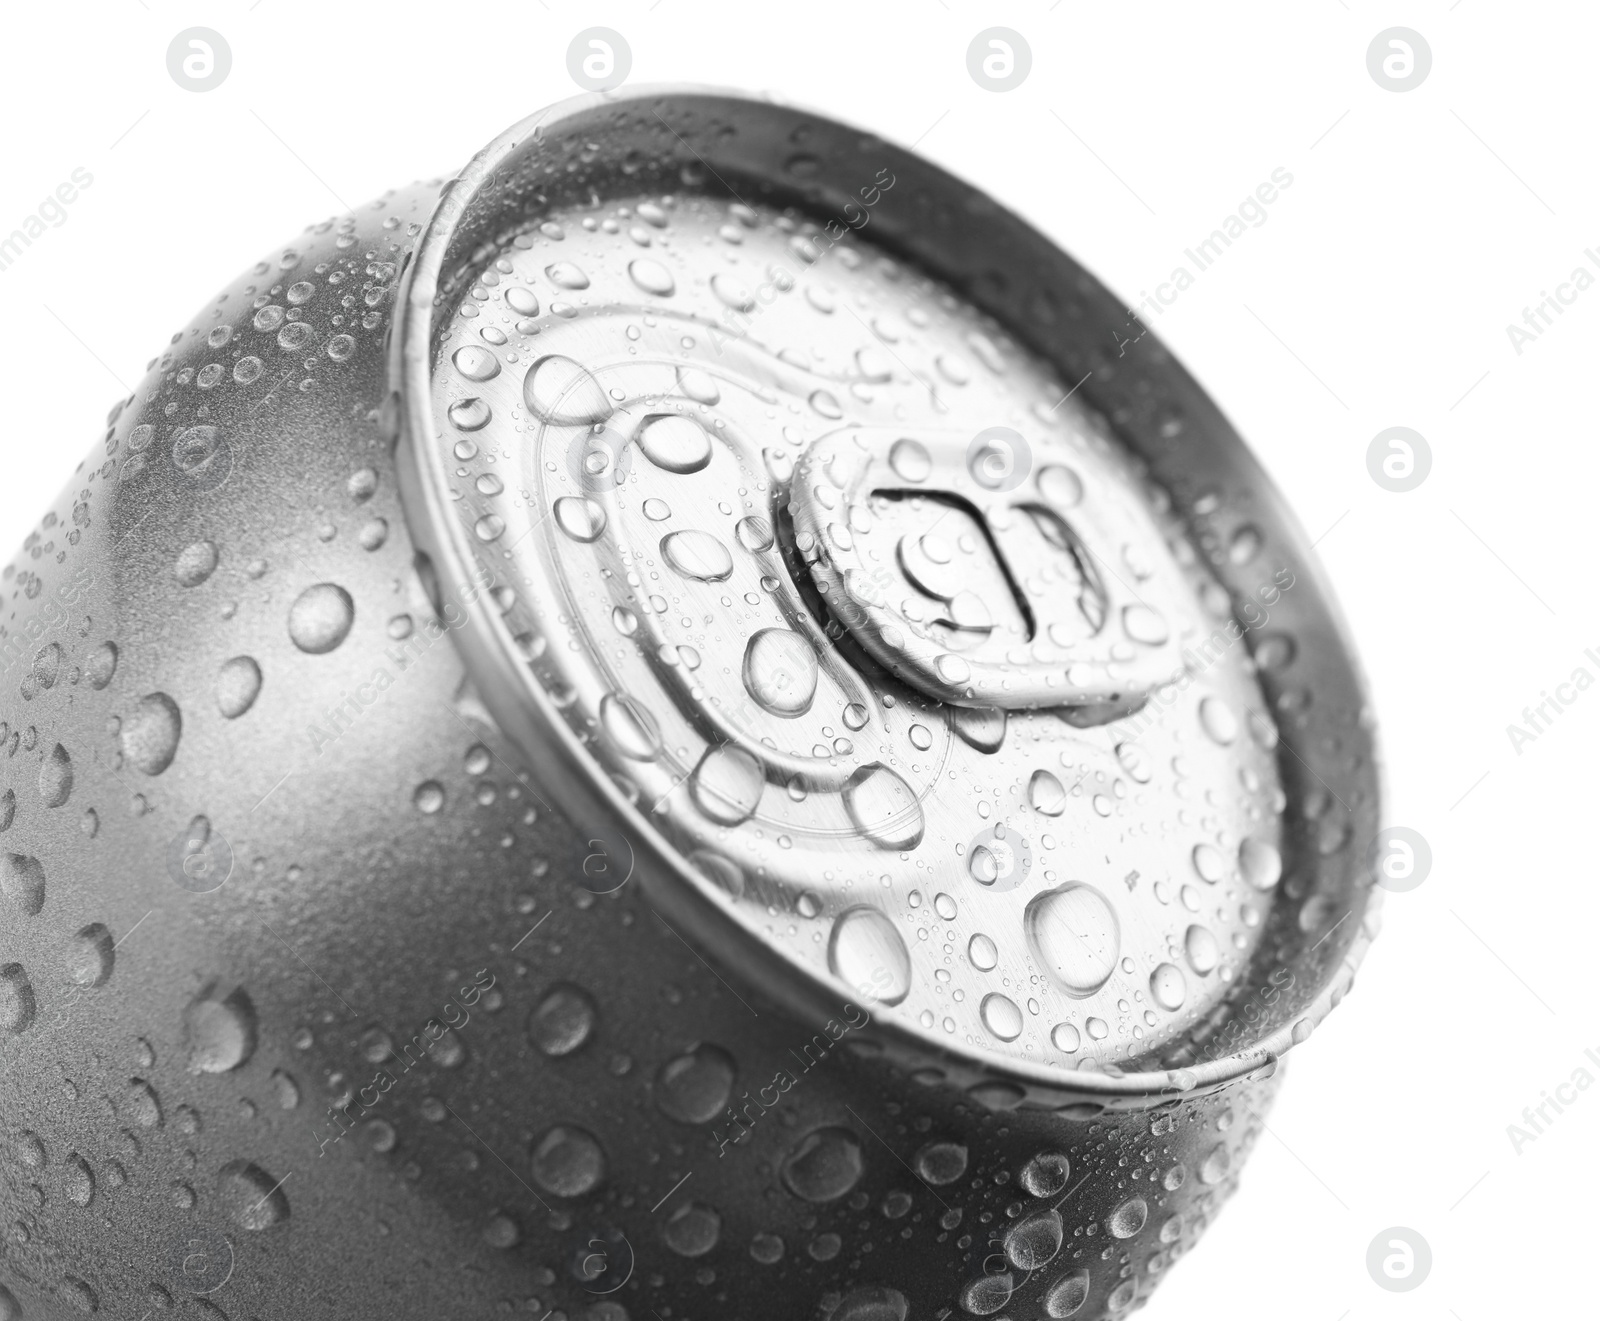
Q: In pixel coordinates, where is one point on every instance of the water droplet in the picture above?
(195, 564)
(1259, 863)
(1034, 1240)
(676, 443)
(692, 1230)
(559, 390)
(868, 955)
(1167, 987)
(102, 664)
(562, 1020)
(1074, 936)
(1046, 794)
(17, 1005)
(826, 404)
(980, 727)
(55, 777)
(884, 808)
(1216, 1165)
(824, 1165)
(698, 385)
(1067, 1295)
(1135, 761)
(238, 686)
(149, 736)
(694, 1087)
(1062, 487)
(470, 414)
(910, 460)
(632, 729)
(875, 1302)
(698, 555)
(1200, 948)
(476, 363)
(91, 956)
(988, 1293)
(220, 1031)
(564, 275)
(1001, 1016)
(321, 617)
(981, 950)
(1046, 1174)
(251, 1197)
(1143, 624)
(780, 671)
(1208, 864)
(143, 1104)
(580, 518)
(1218, 721)
(429, 797)
(652, 277)
(727, 784)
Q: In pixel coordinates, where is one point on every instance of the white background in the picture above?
(1377, 294)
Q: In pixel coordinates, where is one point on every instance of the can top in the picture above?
(920, 670)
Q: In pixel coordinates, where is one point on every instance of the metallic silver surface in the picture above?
(908, 913)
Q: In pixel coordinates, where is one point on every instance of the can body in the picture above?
(304, 1003)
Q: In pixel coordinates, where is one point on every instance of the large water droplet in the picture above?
(694, 1087)
(1034, 1240)
(476, 363)
(321, 617)
(652, 277)
(869, 955)
(563, 1020)
(1046, 1174)
(91, 956)
(251, 1197)
(910, 460)
(55, 777)
(1001, 1016)
(149, 736)
(564, 275)
(824, 1165)
(238, 686)
(988, 1293)
(727, 784)
(195, 564)
(1200, 948)
(580, 518)
(676, 443)
(1074, 936)
(980, 727)
(780, 672)
(1128, 1219)
(884, 808)
(17, 1005)
(692, 1230)
(1167, 987)
(567, 1161)
(471, 414)
(1046, 794)
(981, 950)
(1218, 721)
(698, 555)
(562, 391)
(1067, 1295)
(1143, 624)
(22, 882)
(1260, 863)
(632, 729)
(219, 1031)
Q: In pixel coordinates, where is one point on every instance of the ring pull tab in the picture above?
(986, 577)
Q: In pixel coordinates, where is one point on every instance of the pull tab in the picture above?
(985, 583)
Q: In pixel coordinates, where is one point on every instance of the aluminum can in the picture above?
(691, 723)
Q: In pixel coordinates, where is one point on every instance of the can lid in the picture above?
(923, 654)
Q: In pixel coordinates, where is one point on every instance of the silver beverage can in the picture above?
(693, 722)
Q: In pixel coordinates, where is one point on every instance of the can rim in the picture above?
(530, 719)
